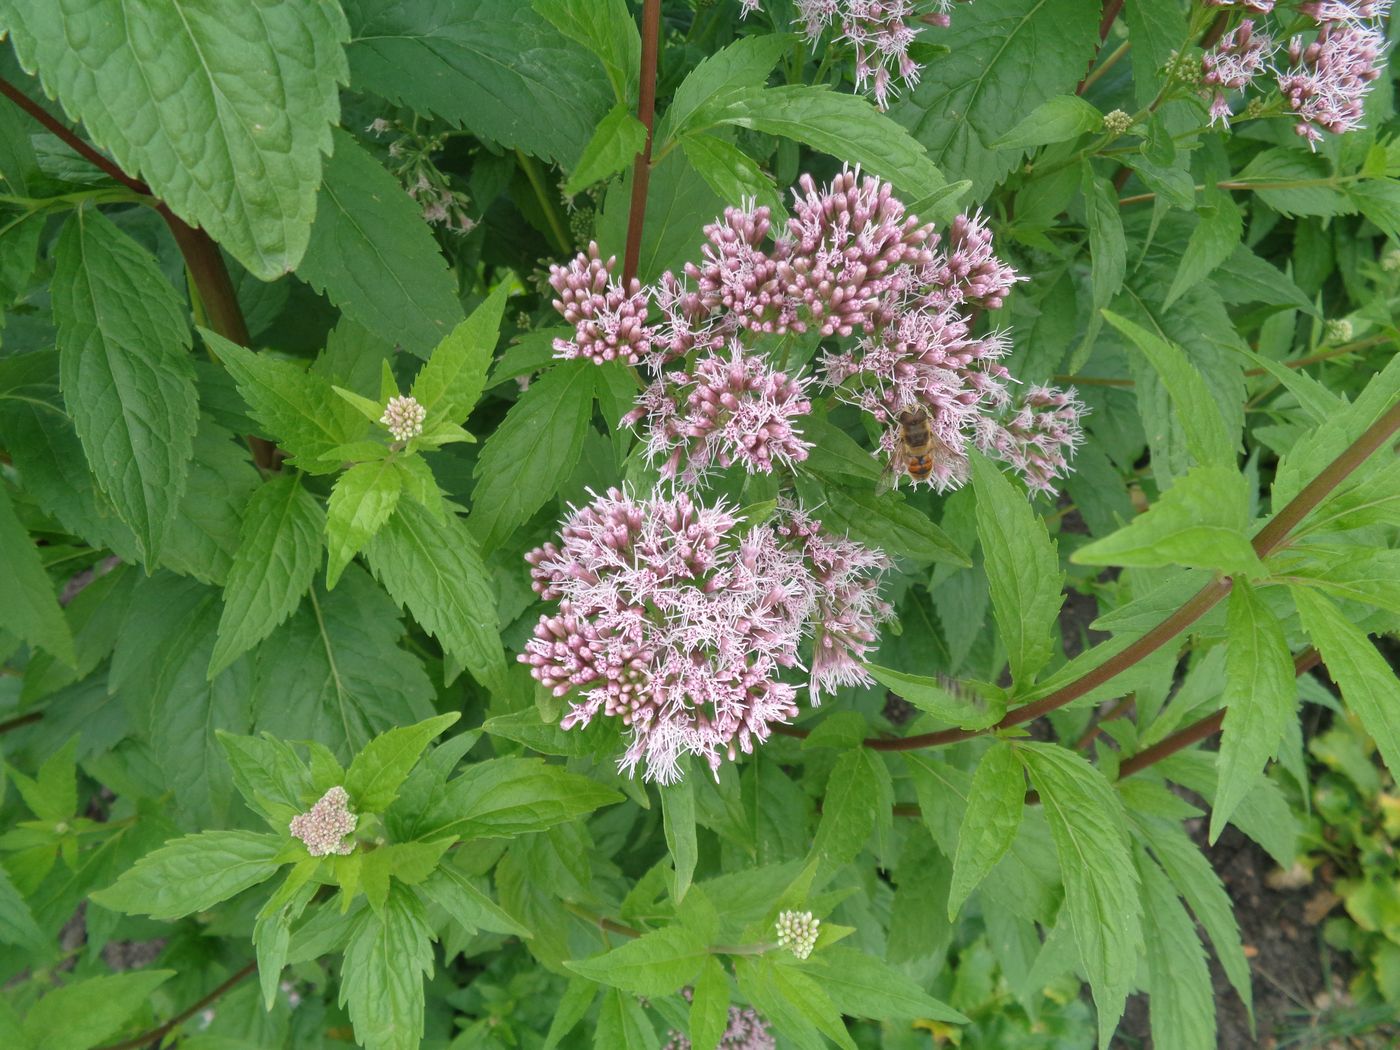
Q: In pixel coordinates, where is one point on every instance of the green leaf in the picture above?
(123, 345)
(623, 1024)
(1023, 570)
(272, 929)
(1057, 119)
(374, 777)
(381, 980)
(268, 774)
(204, 539)
(1101, 885)
(863, 986)
(743, 64)
(845, 126)
(527, 457)
(993, 815)
(1368, 685)
(373, 256)
(30, 610)
(1202, 521)
(434, 568)
(1206, 435)
(512, 796)
(1180, 996)
(964, 710)
(730, 172)
(193, 873)
(363, 498)
(709, 1006)
(679, 205)
(619, 138)
(1156, 31)
(884, 521)
(1214, 238)
(656, 963)
(606, 28)
(17, 925)
(446, 58)
(469, 906)
(1295, 182)
(279, 551)
(678, 823)
(1004, 58)
(334, 672)
(569, 1010)
(298, 409)
(224, 109)
(796, 1004)
(1260, 700)
(858, 799)
(1107, 248)
(85, 1013)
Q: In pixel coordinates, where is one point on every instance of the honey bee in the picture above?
(915, 449)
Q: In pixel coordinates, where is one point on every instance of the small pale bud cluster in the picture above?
(797, 931)
(404, 417)
(1117, 122)
(880, 31)
(410, 159)
(680, 623)
(326, 826)
(1338, 330)
(1390, 261)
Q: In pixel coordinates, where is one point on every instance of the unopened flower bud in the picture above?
(404, 417)
(1338, 330)
(797, 931)
(325, 828)
(1117, 122)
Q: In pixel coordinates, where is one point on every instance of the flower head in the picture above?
(325, 827)
(404, 417)
(1327, 84)
(744, 1031)
(797, 931)
(1232, 64)
(609, 320)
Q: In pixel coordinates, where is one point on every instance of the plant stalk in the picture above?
(153, 1036)
(646, 113)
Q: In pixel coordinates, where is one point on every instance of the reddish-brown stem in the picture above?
(1215, 32)
(1096, 727)
(203, 260)
(646, 113)
(154, 1035)
(20, 722)
(1182, 738)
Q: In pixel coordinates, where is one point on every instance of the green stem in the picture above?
(1104, 66)
(551, 212)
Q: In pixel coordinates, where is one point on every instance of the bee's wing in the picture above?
(889, 477)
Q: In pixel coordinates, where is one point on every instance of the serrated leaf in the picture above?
(1101, 885)
(1004, 58)
(1023, 570)
(1260, 699)
(796, 1005)
(127, 379)
(1216, 235)
(709, 1006)
(863, 986)
(1295, 182)
(30, 610)
(1107, 247)
(858, 799)
(1156, 31)
(530, 454)
(656, 963)
(845, 126)
(512, 796)
(1369, 686)
(444, 57)
(381, 979)
(267, 773)
(433, 568)
(1206, 435)
(85, 1013)
(279, 552)
(606, 28)
(1057, 119)
(623, 1024)
(1201, 522)
(204, 538)
(272, 930)
(966, 711)
(362, 501)
(226, 119)
(883, 521)
(745, 63)
(17, 925)
(618, 139)
(374, 777)
(298, 409)
(730, 172)
(450, 384)
(1180, 997)
(334, 673)
(470, 907)
(569, 1010)
(994, 806)
(193, 873)
(373, 256)
(678, 823)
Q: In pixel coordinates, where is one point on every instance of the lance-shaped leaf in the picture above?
(511, 796)
(619, 138)
(193, 873)
(605, 27)
(30, 609)
(1260, 700)
(279, 550)
(994, 806)
(449, 385)
(374, 256)
(223, 107)
(656, 963)
(1096, 864)
(1180, 997)
(85, 1013)
(361, 502)
(1023, 570)
(381, 980)
(374, 777)
(127, 379)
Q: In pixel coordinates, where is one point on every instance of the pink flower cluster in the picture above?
(745, 1031)
(679, 621)
(851, 266)
(609, 320)
(880, 31)
(730, 409)
(1328, 78)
